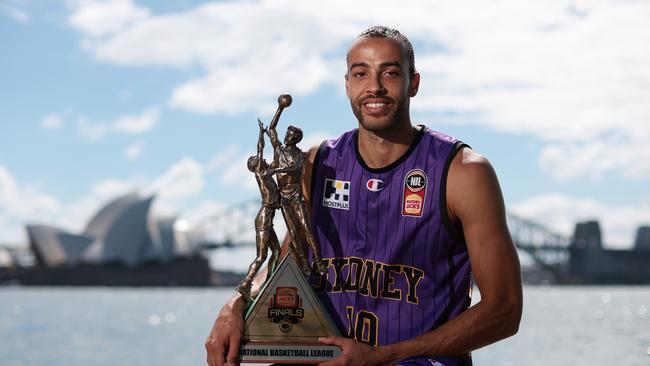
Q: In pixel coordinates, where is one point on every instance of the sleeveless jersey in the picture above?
(396, 267)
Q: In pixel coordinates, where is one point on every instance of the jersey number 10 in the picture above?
(362, 326)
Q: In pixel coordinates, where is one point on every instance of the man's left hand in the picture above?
(353, 353)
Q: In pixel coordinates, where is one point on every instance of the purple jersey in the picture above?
(396, 267)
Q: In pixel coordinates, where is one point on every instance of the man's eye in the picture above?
(391, 73)
(359, 74)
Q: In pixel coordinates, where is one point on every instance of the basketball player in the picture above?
(405, 216)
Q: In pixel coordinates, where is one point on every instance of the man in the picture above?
(265, 237)
(411, 213)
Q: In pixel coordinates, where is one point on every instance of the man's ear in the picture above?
(414, 84)
(347, 85)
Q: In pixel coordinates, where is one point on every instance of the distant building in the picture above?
(122, 232)
(589, 262)
(642, 241)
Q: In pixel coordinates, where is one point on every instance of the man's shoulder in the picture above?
(468, 161)
(470, 172)
(345, 137)
(439, 136)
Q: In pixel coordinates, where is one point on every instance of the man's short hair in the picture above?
(380, 31)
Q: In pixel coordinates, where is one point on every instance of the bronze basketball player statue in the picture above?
(285, 195)
(284, 320)
(287, 167)
(265, 237)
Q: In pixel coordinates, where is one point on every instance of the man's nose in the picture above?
(376, 85)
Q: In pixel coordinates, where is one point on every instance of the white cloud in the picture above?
(137, 124)
(52, 122)
(595, 159)
(205, 209)
(128, 124)
(231, 162)
(565, 71)
(222, 157)
(183, 179)
(24, 200)
(24, 203)
(243, 48)
(134, 150)
(244, 86)
(91, 130)
(20, 203)
(110, 188)
(19, 15)
(101, 18)
(559, 212)
(236, 173)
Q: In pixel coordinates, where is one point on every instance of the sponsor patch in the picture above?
(415, 184)
(286, 308)
(375, 185)
(336, 194)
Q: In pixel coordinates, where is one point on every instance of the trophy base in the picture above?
(286, 320)
(287, 353)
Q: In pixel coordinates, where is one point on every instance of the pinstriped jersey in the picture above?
(396, 268)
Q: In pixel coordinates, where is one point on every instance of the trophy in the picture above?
(285, 320)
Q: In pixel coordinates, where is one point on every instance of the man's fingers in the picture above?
(336, 341)
(215, 352)
(233, 351)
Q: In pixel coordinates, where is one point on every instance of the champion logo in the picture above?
(375, 185)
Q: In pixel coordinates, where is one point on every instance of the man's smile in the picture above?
(376, 106)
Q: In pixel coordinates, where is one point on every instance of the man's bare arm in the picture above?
(223, 342)
(474, 199)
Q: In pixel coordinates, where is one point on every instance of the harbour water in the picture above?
(107, 326)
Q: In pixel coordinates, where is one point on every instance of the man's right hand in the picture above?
(226, 335)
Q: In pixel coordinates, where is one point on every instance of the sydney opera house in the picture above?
(123, 245)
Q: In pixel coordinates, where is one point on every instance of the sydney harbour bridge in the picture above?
(540, 248)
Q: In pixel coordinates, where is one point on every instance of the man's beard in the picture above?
(385, 123)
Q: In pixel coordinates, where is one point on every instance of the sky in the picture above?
(100, 98)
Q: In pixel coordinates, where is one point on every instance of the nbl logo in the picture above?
(416, 181)
(415, 184)
(336, 194)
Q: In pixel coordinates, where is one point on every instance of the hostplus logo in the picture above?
(336, 194)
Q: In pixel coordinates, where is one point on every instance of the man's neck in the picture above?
(382, 148)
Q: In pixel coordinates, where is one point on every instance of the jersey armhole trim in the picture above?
(451, 230)
(314, 170)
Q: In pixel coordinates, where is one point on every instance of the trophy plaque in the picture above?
(285, 320)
